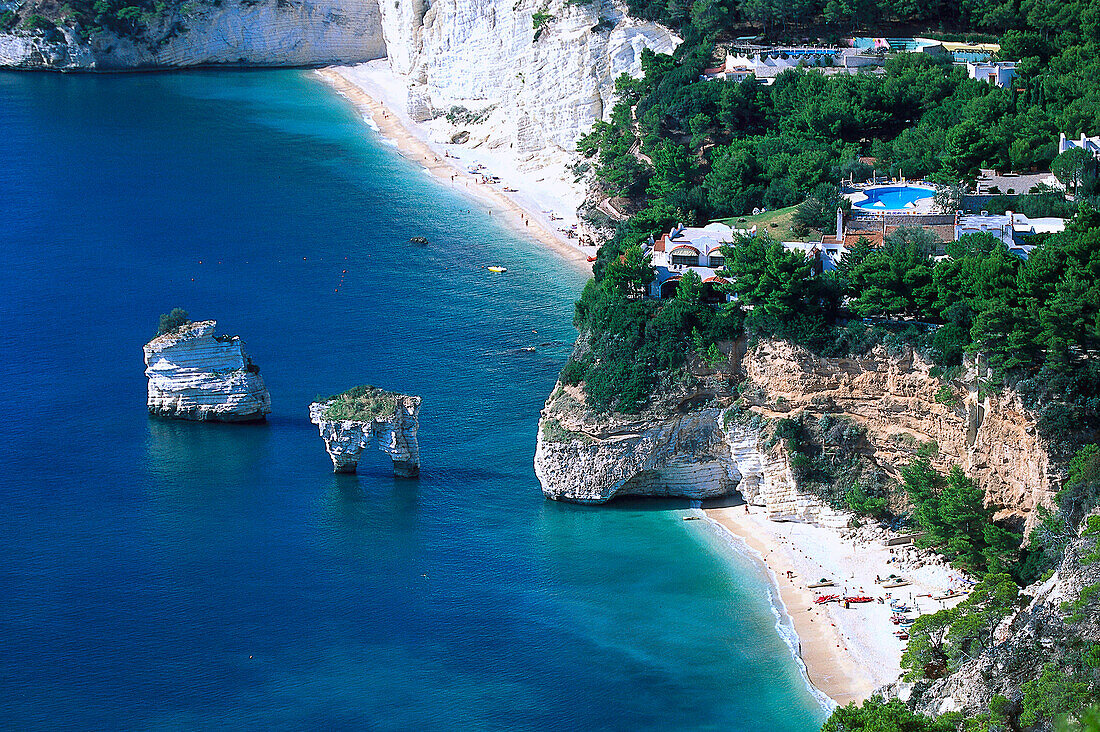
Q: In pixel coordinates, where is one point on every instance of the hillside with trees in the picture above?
(680, 150)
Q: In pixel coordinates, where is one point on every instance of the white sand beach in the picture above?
(848, 652)
(544, 201)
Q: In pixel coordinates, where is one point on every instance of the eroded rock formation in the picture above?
(702, 452)
(196, 375)
(241, 32)
(907, 411)
(394, 434)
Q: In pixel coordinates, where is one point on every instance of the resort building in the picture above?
(1014, 229)
(1091, 144)
(699, 250)
(998, 73)
(695, 249)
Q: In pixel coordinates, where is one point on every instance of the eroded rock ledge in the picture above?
(354, 420)
(196, 375)
(701, 448)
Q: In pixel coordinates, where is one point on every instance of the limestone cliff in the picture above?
(240, 32)
(196, 375)
(904, 412)
(392, 428)
(534, 91)
(539, 89)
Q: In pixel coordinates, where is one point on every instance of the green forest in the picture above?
(680, 150)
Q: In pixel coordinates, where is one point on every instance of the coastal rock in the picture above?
(684, 450)
(907, 413)
(394, 433)
(196, 375)
(589, 458)
(238, 32)
(548, 86)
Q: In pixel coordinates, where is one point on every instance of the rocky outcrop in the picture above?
(1051, 623)
(394, 433)
(238, 32)
(592, 462)
(707, 452)
(545, 86)
(196, 375)
(908, 412)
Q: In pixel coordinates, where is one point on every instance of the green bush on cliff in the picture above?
(877, 715)
(360, 404)
(172, 321)
(635, 342)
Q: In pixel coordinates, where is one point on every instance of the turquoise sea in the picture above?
(169, 575)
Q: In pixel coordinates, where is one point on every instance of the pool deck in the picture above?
(858, 196)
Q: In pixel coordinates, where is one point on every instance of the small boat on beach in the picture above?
(949, 595)
(895, 582)
(592, 259)
(821, 600)
(901, 635)
(858, 598)
(823, 582)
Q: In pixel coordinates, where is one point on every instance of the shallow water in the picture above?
(175, 575)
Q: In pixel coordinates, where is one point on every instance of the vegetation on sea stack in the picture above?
(173, 320)
(360, 404)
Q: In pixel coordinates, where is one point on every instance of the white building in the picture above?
(699, 249)
(998, 73)
(1013, 229)
(1091, 144)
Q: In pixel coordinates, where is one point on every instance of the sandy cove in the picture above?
(525, 211)
(848, 652)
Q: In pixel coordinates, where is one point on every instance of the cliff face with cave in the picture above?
(682, 449)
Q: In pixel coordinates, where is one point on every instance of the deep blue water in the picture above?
(169, 575)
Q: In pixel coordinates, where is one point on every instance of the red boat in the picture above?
(591, 259)
(859, 598)
(827, 598)
(902, 635)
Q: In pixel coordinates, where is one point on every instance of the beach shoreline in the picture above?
(847, 653)
(829, 668)
(523, 215)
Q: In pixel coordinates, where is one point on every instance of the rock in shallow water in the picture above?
(196, 375)
(394, 432)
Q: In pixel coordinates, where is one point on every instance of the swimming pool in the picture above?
(892, 198)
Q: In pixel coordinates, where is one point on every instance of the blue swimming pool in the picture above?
(893, 198)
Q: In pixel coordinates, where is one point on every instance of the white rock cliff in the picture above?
(345, 440)
(196, 375)
(545, 87)
(264, 33)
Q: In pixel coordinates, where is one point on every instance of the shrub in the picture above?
(361, 404)
(946, 395)
(173, 321)
(539, 22)
(36, 22)
(574, 371)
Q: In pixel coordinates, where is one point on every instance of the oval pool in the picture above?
(893, 198)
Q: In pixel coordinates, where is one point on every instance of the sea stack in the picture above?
(196, 375)
(351, 421)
